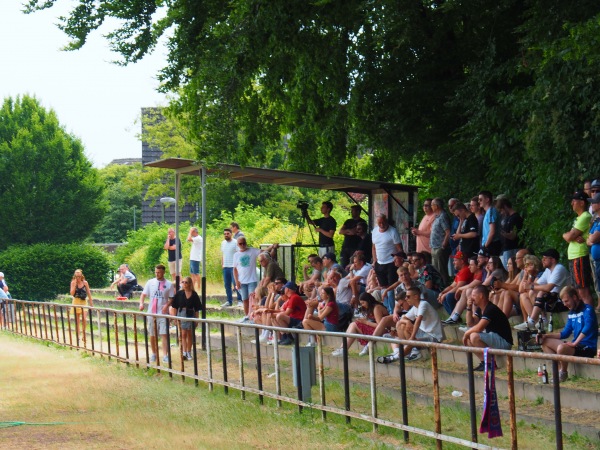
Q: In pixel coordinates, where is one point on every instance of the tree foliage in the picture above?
(463, 94)
(124, 198)
(49, 190)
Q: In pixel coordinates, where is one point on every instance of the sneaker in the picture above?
(165, 359)
(244, 319)
(562, 377)
(270, 340)
(240, 304)
(189, 356)
(387, 335)
(388, 358)
(480, 367)
(263, 339)
(364, 351)
(413, 356)
(311, 344)
(522, 326)
(152, 358)
(451, 321)
(337, 352)
(225, 305)
(286, 341)
(253, 341)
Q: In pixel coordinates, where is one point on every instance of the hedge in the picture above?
(42, 271)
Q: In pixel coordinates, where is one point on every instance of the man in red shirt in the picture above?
(292, 313)
(449, 296)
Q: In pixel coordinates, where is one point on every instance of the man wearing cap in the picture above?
(593, 240)
(292, 312)
(351, 240)
(463, 276)
(578, 251)
(326, 227)
(543, 294)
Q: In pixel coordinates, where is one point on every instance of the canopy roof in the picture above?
(280, 177)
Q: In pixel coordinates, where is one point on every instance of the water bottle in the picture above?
(544, 375)
(541, 324)
(550, 325)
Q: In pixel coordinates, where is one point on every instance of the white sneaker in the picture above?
(311, 344)
(225, 305)
(152, 358)
(253, 341)
(364, 351)
(337, 352)
(243, 319)
(522, 326)
(263, 339)
(240, 304)
(270, 340)
(165, 359)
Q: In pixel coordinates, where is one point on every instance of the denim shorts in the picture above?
(247, 289)
(194, 267)
(494, 340)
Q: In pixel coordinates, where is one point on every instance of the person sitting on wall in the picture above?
(581, 323)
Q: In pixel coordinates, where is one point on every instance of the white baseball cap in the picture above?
(1, 274)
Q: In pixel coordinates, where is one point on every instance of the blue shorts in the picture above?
(331, 327)
(247, 289)
(494, 340)
(194, 267)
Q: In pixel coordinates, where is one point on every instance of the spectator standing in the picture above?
(490, 232)
(439, 239)
(582, 324)
(326, 227)
(386, 242)
(578, 251)
(228, 249)
(244, 273)
(173, 245)
(195, 255)
(8, 313)
(479, 212)
(235, 229)
(160, 292)
(423, 232)
(467, 235)
(454, 225)
(511, 224)
(487, 325)
(593, 241)
(366, 243)
(186, 304)
(351, 238)
(80, 290)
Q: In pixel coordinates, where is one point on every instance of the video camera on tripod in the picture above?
(303, 205)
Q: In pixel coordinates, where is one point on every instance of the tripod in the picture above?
(300, 237)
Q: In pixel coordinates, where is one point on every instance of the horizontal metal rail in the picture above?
(53, 322)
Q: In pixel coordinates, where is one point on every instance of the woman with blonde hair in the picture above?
(80, 290)
(186, 304)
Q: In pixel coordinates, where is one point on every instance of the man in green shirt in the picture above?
(578, 251)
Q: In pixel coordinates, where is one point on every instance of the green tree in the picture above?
(124, 196)
(49, 190)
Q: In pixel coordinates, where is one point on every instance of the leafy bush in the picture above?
(42, 271)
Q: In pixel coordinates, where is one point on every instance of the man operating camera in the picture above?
(326, 227)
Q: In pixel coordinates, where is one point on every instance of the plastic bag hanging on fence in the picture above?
(490, 419)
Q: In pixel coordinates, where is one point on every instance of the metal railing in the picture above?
(124, 336)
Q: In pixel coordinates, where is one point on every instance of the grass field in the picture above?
(107, 405)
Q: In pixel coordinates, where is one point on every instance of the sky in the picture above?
(94, 99)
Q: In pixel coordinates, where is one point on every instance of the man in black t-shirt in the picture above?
(468, 232)
(510, 226)
(488, 326)
(351, 239)
(326, 227)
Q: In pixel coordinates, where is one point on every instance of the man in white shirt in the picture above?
(228, 249)
(386, 242)
(160, 292)
(195, 255)
(544, 293)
